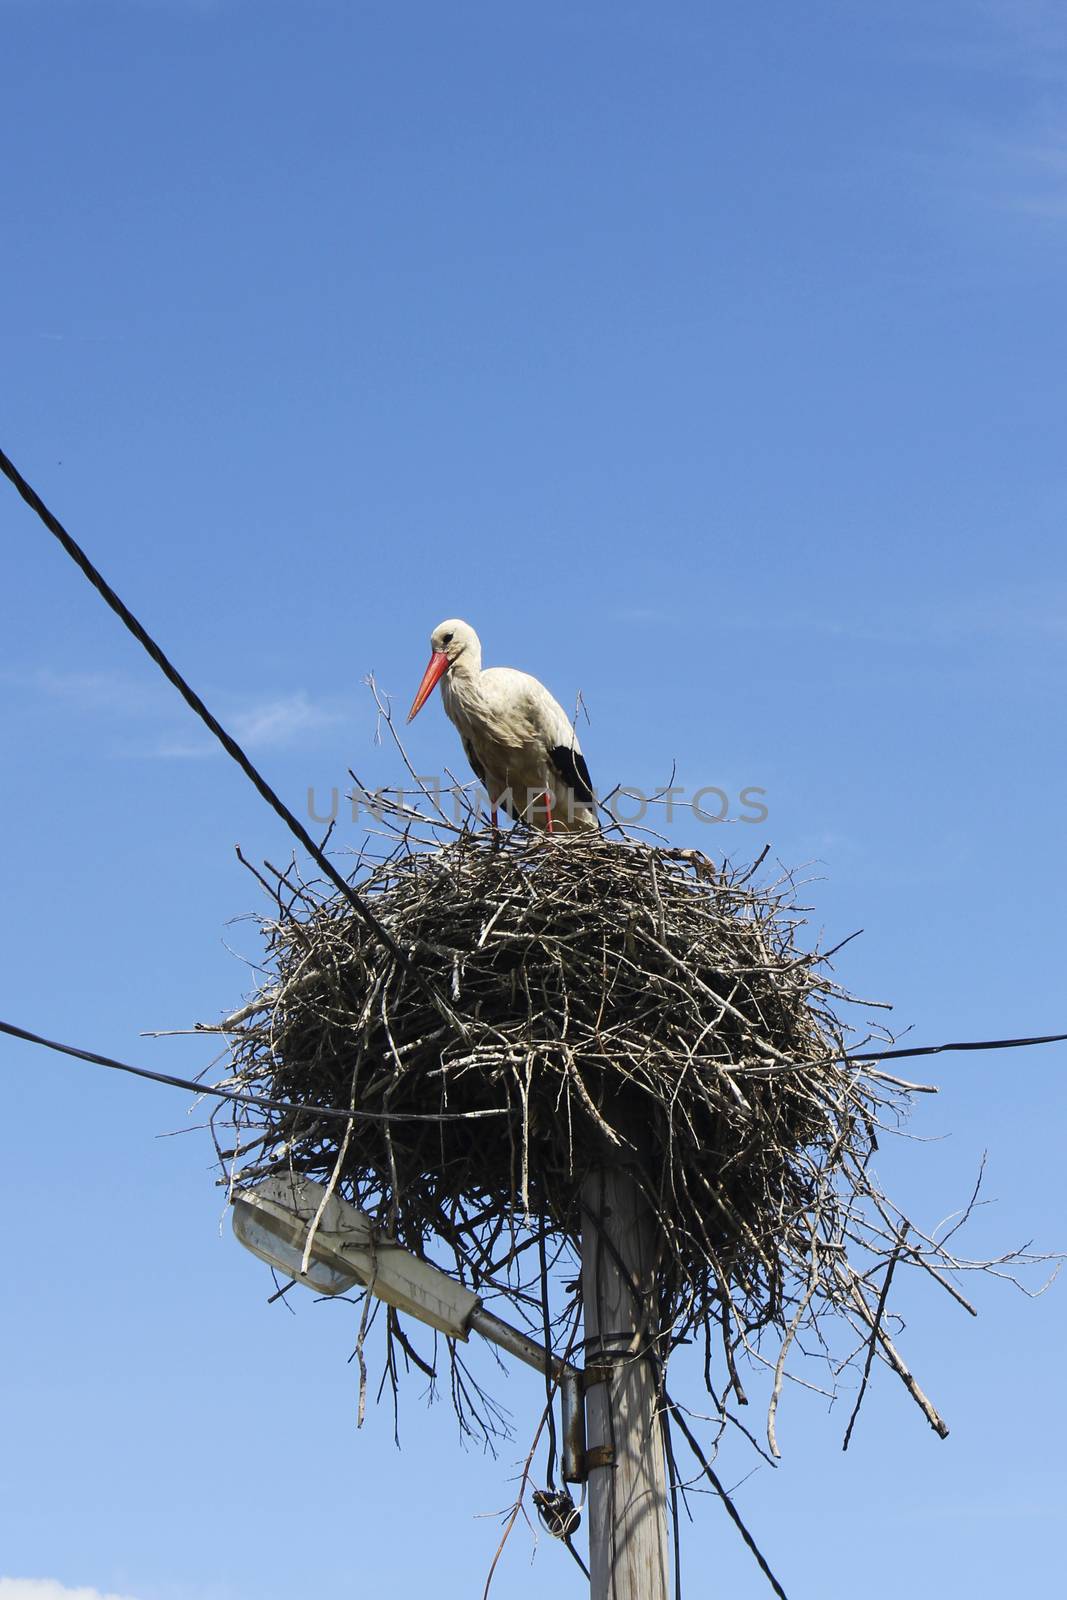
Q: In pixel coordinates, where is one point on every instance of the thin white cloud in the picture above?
(647, 616)
(1032, 33)
(1003, 149)
(1020, 613)
(259, 724)
(107, 692)
(49, 1589)
(268, 725)
(1022, 171)
(279, 722)
(1025, 40)
(182, 749)
(204, 6)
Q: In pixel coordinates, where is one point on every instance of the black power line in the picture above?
(228, 742)
(240, 1095)
(964, 1044)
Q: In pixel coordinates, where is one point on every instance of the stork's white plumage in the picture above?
(518, 739)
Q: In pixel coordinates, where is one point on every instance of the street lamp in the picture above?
(327, 1244)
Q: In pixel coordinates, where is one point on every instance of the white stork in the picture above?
(517, 738)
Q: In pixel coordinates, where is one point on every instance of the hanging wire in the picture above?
(240, 1095)
(228, 742)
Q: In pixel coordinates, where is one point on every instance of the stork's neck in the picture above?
(468, 664)
(459, 686)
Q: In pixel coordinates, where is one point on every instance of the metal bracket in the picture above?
(595, 1372)
(601, 1455)
(568, 1378)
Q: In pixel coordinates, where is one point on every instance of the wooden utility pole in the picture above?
(627, 1504)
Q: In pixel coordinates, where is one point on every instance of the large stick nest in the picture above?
(614, 1001)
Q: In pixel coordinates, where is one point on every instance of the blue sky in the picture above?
(710, 361)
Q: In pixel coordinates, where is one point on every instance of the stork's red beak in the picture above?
(431, 677)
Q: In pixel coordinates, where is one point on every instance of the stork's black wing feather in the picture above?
(570, 764)
(476, 766)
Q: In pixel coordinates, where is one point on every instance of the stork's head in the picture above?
(448, 642)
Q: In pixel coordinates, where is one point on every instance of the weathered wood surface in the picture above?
(627, 1506)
